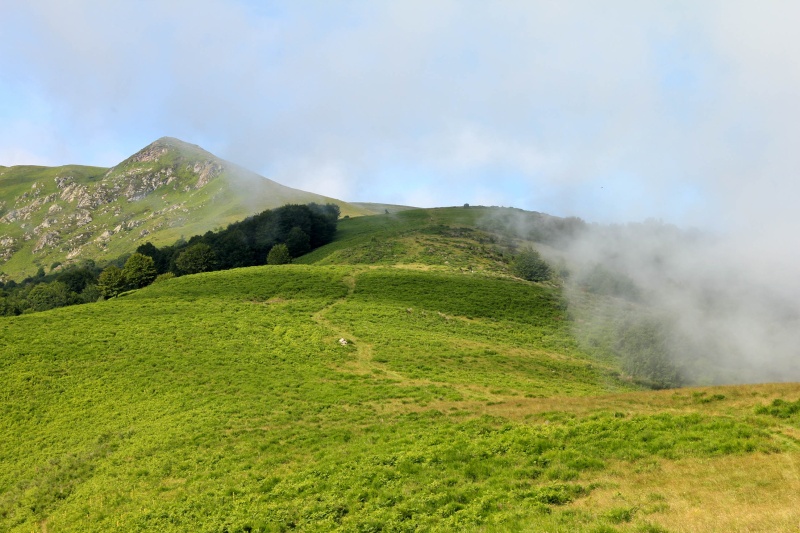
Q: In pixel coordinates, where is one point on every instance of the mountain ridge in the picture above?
(170, 188)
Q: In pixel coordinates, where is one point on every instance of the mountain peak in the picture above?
(164, 146)
(167, 189)
(177, 144)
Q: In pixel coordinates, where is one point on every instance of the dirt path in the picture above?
(364, 362)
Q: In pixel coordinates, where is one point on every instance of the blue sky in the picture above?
(615, 111)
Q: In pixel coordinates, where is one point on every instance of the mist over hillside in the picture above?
(687, 306)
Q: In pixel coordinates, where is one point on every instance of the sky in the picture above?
(611, 111)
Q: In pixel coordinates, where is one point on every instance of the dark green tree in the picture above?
(77, 278)
(529, 265)
(160, 257)
(111, 281)
(8, 306)
(279, 255)
(232, 249)
(139, 271)
(49, 296)
(91, 293)
(196, 258)
(298, 242)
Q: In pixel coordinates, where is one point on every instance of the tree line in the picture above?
(274, 236)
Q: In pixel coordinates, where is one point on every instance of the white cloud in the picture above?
(562, 96)
(326, 178)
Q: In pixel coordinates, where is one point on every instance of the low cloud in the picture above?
(676, 306)
(560, 98)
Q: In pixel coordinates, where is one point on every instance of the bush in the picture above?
(76, 279)
(91, 293)
(139, 271)
(111, 281)
(164, 277)
(298, 242)
(780, 409)
(529, 265)
(49, 296)
(279, 255)
(196, 258)
(600, 280)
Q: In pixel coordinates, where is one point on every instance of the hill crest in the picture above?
(169, 188)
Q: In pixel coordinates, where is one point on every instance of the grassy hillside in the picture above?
(379, 209)
(458, 238)
(460, 401)
(229, 404)
(166, 190)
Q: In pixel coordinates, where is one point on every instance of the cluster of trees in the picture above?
(274, 237)
(74, 285)
(139, 271)
(77, 284)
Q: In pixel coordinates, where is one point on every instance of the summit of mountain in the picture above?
(166, 190)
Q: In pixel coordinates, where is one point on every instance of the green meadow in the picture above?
(400, 379)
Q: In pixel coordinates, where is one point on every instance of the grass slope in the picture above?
(461, 401)
(450, 238)
(378, 209)
(224, 402)
(167, 190)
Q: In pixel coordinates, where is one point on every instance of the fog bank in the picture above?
(677, 306)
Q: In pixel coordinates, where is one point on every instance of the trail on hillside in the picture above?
(476, 398)
(364, 362)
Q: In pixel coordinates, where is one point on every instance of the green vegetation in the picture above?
(140, 271)
(780, 408)
(196, 258)
(529, 265)
(279, 255)
(111, 281)
(247, 242)
(448, 238)
(460, 400)
(601, 280)
(167, 190)
(244, 243)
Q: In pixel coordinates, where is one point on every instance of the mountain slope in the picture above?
(225, 401)
(460, 400)
(168, 189)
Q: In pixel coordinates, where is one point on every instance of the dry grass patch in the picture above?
(752, 493)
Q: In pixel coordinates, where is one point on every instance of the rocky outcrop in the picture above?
(81, 217)
(47, 240)
(7, 248)
(82, 196)
(140, 185)
(151, 153)
(46, 224)
(25, 213)
(36, 190)
(72, 192)
(206, 171)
